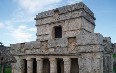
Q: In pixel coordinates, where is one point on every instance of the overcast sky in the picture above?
(17, 22)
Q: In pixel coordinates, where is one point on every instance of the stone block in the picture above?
(36, 44)
(51, 43)
(44, 47)
(61, 42)
(16, 48)
(107, 44)
(87, 25)
(60, 50)
(44, 37)
(88, 17)
(19, 45)
(43, 30)
(90, 48)
(115, 46)
(90, 63)
(51, 50)
(13, 46)
(71, 44)
(73, 24)
(108, 63)
(45, 20)
(65, 16)
(28, 45)
(32, 45)
(89, 39)
(71, 33)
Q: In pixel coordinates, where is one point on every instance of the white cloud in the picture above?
(24, 15)
(27, 9)
(32, 6)
(32, 29)
(1, 25)
(74, 1)
(21, 34)
(19, 16)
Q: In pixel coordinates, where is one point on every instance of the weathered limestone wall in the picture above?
(78, 41)
(108, 63)
(51, 63)
(90, 51)
(86, 47)
(114, 48)
(91, 63)
(73, 19)
(108, 55)
(16, 67)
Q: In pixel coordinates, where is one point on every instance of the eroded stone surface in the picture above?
(78, 41)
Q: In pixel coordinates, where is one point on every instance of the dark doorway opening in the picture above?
(74, 65)
(58, 31)
(25, 66)
(34, 65)
(60, 66)
(46, 66)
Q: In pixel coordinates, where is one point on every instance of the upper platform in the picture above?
(65, 9)
(70, 19)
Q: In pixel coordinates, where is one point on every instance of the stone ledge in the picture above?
(64, 9)
(107, 45)
(67, 16)
(90, 48)
(85, 42)
(62, 42)
(91, 38)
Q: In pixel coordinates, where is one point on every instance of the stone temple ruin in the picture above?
(66, 43)
(6, 58)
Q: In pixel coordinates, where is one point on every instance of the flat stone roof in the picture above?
(64, 9)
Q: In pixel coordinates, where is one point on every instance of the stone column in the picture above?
(39, 65)
(2, 68)
(53, 65)
(111, 60)
(67, 65)
(21, 66)
(29, 65)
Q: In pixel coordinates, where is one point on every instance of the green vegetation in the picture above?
(114, 68)
(114, 55)
(7, 70)
(0, 68)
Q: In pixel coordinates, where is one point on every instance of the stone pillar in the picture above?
(67, 65)
(53, 65)
(39, 65)
(111, 60)
(2, 68)
(21, 66)
(29, 65)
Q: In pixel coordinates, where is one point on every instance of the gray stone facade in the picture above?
(6, 58)
(66, 43)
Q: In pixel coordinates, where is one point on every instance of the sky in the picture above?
(17, 22)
